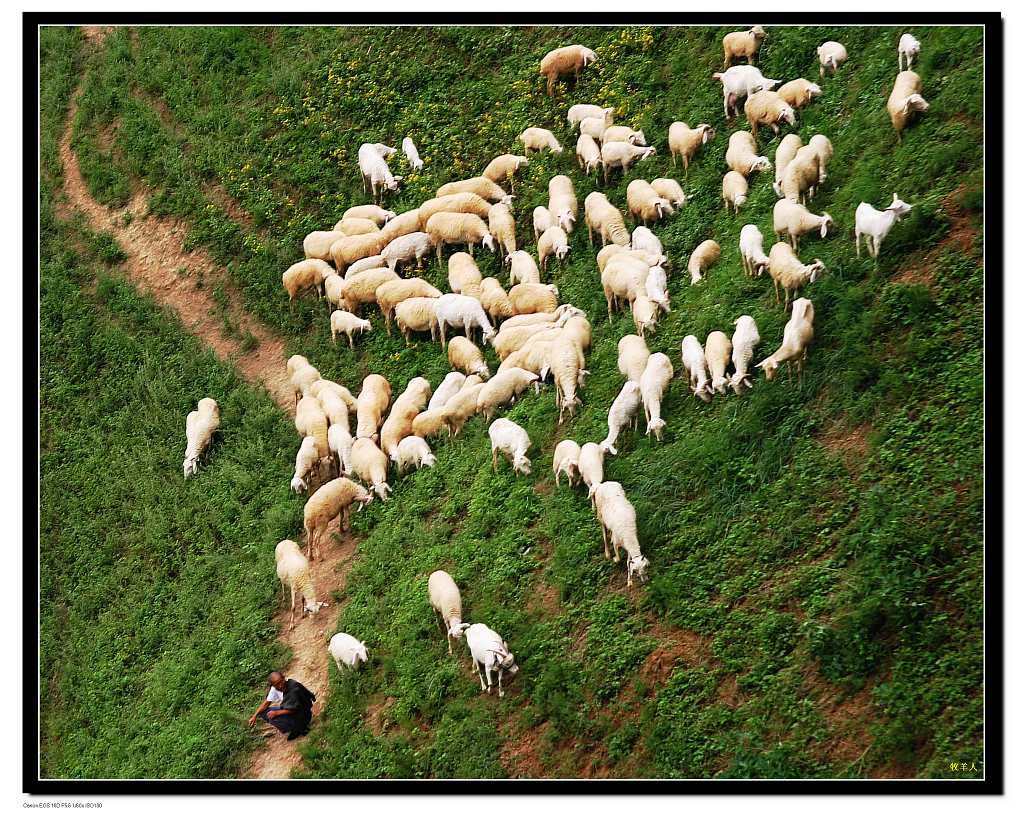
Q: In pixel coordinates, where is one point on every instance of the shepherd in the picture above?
(288, 706)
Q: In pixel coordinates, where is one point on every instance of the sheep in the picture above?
(450, 384)
(734, 190)
(453, 309)
(495, 300)
(522, 269)
(784, 154)
(577, 113)
(503, 388)
(553, 242)
(339, 441)
(618, 519)
(373, 401)
(458, 228)
(392, 293)
(461, 407)
(513, 338)
(200, 424)
(633, 356)
(717, 349)
(362, 288)
(644, 202)
(533, 298)
(511, 440)
(503, 228)
(669, 189)
(332, 403)
(562, 202)
(347, 652)
(787, 270)
(796, 338)
(413, 155)
(741, 81)
(370, 465)
(685, 141)
(602, 216)
(696, 367)
(417, 315)
(295, 363)
(588, 153)
(643, 239)
(464, 355)
(706, 254)
(905, 100)
(623, 133)
(305, 275)
(346, 322)
(405, 408)
(875, 225)
(909, 48)
(319, 388)
(480, 185)
(334, 290)
(802, 175)
(622, 413)
(651, 259)
(446, 600)
(622, 155)
(831, 55)
(429, 423)
(490, 653)
(569, 59)
(564, 312)
(350, 249)
(591, 467)
(645, 314)
(302, 377)
(368, 263)
(412, 451)
(743, 44)
(799, 92)
(653, 382)
(373, 212)
(823, 147)
(410, 247)
(594, 127)
(752, 250)
(379, 176)
(744, 340)
(767, 108)
(332, 498)
(565, 362)
(408, 222)
(463, 275)
(741, 155)
(504, 167)
(538, 139)
(318, 243)
(355, 227)
(293, 571)
(311, 421)
(796, 220)
(566, 460)
(656, 288)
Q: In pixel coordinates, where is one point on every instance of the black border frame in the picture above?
(991, 784)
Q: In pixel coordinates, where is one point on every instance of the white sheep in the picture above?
(461, 407)
(745, 339)
(464, 312)
(379, 176)
(909, 48)
(622, 413)
(696, 367)
(538, 139)
(768, 108)
(566, 460)
(293, 571)
(591, 465)
(413, 155)
(608, 252)
(511, 440)
(644, 202)
(569, 59)
(410, 247)
(905, 100)
(799, 92)
(796, 338)
(480, 185)
(643, 239)
(717, 350)
(622, 155)
(317, 245)
(406, 407)
(823, 147)
(802, 175)
(743, 44)
(503, 388)
(796, 220)
(632, 357)
(523, 269)
(412, 451)
(618, 521)
(503, 227)
(449, 386)
(373, 212)
(346, 322)
(831, 55)
(459, 228)
(306, 458)
(623, 279)
(407, 222)
(789, 272)
(495, 300)
(464, 202)
(669, 189)
(594, 127)
(623, 133)
(656, 287)
(741, 155)
(368, 263)
(542, 220)
(645, 313)
(604, 218)
(784, 154)
(417, 315)
(306, 275)
(553, 242)
(392, 293)
(466, 356)
(565, 362)
(706, 254)
(374, 399)
(327, 502)
(588, 153)
(685, 141)
(752, 250)
(562, 202)
(533, 297)
(200, 424)
(734, 190)
(577, 113)
(874, 225)
(446, 601)
(653, 383)
(347, 652)
(504, 167)
(739, 82)
(370, 465)
(340, 441)
(464, 275)
(490, 653)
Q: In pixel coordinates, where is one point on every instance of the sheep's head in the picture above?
(761, 163)
(899, 207)
(816, 269)
(770, 366)
(312, 607)
(813, 90)
(707, 133)
(663, 208)
(915, 102)
(298, 485)
(393, 184)
(488, 242)
(739, 383)
(609, 114)
(488, 335)
(382, 490)
(589, 56)
(428, 460)
(758, 32)
(561, 251)
(456, 631)
(637, 138)
(740, 200)
(656, 426)
(826, 222)
(637, 565)
(507, 199)
(566, 221)
(787, 115)
(704, 391)
(521, 464)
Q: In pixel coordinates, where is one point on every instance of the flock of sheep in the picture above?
(357, 263)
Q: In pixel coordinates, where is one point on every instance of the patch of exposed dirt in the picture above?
(920, 268)
(377, 715)
(545, 599)
(520, 754)
(729, 691)
(675, 645)
(847, 717)
(850, 445)
(226, 202)
(95, 35)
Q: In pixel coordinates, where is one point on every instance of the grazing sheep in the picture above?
(339, 441)
(495, 300)
(511, 440)
(362, 288)
(745, 339)
(618, 520)
(514, 338)
(334, 290)
(784, 154)
(503, 228)
(332, 403)
(373, 401)
(392, 293)
(607, 253)
(633, 357)
(318, 243)
(591, 466)
(562, 202)
(446, 600)
(905, 100)
(752, 250)
(538, 139)
(602, 216)
(449, 386)
(413, 155)
(458, 228)
(503, 168)
(327, 502)
(577, 113)
(644, 202)
(706, 254)
(643, 239)
(789, 272)
(356, 227)
(293, 571)
(717, 349)
(347, 652)
(320, 387)
(417, 315)
(311, 421)
(503, 388)
(302, 376)
(350, 249)
(588, 153)
(566, 460)
(410, 247)
(461, 407)
(669, 189)
(200, 424)
(466, 356)
(305, 275)
(909, 48)
(346, 322)
(413, 451)
(363, 264)
(799, 92)
(564, 312)
(645, 314)
(406, 407)
(533, 298)
(379, 176)
(569, 59)
(796, 220)
(429, 423)
(802, 175)
(370, 465)
(553, 242)
(696, 367)
(375, 213)
(623, 279)
(741, 156)
(594, 127)
(874, 225)
(734, 190)
(465, 312)
(685, 141)
(744, 44)
(623, 413)
(623, 133)
(823, 147)
(622, 155)
(490, 653)
(739, 82)
(656, 288)
(480, 185)
(408, 222)
(542, 220)
(796, 338)
(831, 55)
(654, 381)
(523, 269)
(463, 275)
(565, 362)
(767, 108)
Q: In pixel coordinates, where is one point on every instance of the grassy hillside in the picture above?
(815, 598)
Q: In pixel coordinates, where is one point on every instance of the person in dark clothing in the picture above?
(288, 706)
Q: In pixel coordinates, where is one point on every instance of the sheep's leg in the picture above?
(477, 666)
(501, 690)
(776, 283)
(494, 460)
(857, 240)
(604, 539)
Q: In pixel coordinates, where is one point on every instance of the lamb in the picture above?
(633, 356)
(696, 367)
(368, 263)
(768, 108)
(594, 127)
(350, 249)
(685, 141)
(464, 355)
(831, 55)
(565, 361)
(533, 298)
(645, 314)
(373, 212)
(446, 600)
(577, 113)
(752, 250)
(784, 154)
(362, 288)
(339, 441)
(538, 139)
(503, 228)
(741, 81)
(502, 389)
(392, 293)
(406, 407)
(706, 254)
(293, 571)
(741, 155)
(453, 309)
(503, 168)
(644, 202)
(717, 349)
(448, 387)
(643, 239)
(656, 288)
(622, 155)
(734, 190)
(653, 382)
(356, 227)
(511, 440)
(346, 322)
(553, 242)
(480, 185)
(200, 424)
(569, 59)
(490, 653)
(327, 502)
(743, 44)
(562, 202)
(305, 275)
(622, 413)
(618, 519)
(623, 133)
(305, 460)
(417, 315)
(799, 92)
(787, 270)
(669, 189)
(410, 247)
(461, 407)
(796, 338)
(591, 466)
(334, 290)
(370, 465)
(802, 175)
(295, 363)
(379, 176)
(588, 153)
(745, 339)
(463, 275)
(542, 220)
(495, 300)
(875, 225)
(909, 48)
(458, 228)
(347, 652)
(905, 100)
(413, 451)
(413, 155)
(408, 222)
(311, 421)
(317, 245)
(566, 460)
(602, 216)
(795, 219)
(373, 401)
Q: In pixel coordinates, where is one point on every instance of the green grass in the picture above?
(818, 579)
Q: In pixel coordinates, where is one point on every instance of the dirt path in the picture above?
(158, 265)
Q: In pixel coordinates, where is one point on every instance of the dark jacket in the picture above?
(299, 700)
